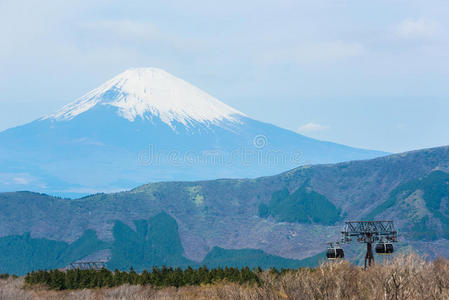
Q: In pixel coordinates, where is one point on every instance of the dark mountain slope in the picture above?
(155, 242)
(225, 213)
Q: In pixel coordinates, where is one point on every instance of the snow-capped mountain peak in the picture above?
(149, 93)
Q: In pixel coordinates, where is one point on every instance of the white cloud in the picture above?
(312, 127)
(17, 179)
(21, 180)
(124, 28)
(315, 52)
(416, 29)
(332, 50)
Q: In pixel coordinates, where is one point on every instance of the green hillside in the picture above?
(155, 242)
(293, 214)
(253, 258)
(302, 206)
(21, 253)
(424, 203)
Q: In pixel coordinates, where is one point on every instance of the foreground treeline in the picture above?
(403, 277)
(6, 276)
(159, 277)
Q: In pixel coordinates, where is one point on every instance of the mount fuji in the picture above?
(147, 125)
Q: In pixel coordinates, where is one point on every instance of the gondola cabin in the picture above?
(384, 248)
(335, 253)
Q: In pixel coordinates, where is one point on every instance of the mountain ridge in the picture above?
(146, 125)
(225, 213)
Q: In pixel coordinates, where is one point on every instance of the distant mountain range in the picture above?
(269, 221)
(145, 125)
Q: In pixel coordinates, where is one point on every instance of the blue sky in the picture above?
(372, 74)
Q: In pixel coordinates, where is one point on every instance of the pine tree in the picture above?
(156, 277)
(144, 278)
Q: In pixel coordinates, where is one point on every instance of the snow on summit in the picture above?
(149, 93)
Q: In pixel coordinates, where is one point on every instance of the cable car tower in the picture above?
(381, 232)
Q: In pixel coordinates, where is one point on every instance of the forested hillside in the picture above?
(291, 215)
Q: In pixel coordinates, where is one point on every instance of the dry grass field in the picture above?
(404, 277)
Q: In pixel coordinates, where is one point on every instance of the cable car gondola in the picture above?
(335, 253)
(384, 248)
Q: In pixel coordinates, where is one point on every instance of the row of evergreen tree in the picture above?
(6, 276)
(160, 277)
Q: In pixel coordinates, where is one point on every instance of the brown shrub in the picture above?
(404, 277)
